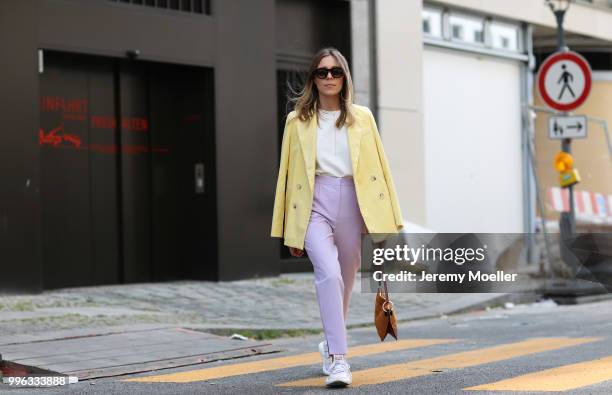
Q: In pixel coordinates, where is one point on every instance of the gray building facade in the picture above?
(141, 138)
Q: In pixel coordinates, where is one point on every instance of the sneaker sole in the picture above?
(337, 383)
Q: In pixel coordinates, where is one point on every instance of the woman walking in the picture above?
(334, 184)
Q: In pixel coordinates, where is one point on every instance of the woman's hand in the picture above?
(296, 251)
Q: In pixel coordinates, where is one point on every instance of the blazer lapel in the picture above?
(307, 135)
(354, 139)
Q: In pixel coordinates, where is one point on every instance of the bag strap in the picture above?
(386, 291)
(383, 282)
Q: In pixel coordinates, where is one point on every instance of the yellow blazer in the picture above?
(374, 186)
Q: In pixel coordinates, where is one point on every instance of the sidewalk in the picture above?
(169, 321)
(284, 302)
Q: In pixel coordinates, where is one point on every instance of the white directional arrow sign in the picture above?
(567, 127)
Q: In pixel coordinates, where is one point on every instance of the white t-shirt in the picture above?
(333, 156)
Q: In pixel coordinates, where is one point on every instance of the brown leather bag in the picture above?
(385, 318)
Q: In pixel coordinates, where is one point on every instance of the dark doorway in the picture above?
(127, 177)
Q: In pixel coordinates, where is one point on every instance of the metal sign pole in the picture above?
(567, 222)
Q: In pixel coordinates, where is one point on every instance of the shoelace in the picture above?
(339, 366)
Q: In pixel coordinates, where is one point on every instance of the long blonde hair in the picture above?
(307, 100)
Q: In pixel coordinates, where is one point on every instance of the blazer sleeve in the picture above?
(278, 215)
(397, 212)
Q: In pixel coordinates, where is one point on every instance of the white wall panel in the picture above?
(472, 130)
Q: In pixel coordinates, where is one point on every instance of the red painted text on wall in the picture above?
(57, 103)
(131, 124)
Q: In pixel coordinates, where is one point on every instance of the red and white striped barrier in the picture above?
(586, 204)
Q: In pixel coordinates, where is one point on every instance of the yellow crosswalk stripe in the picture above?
(563, 378)
(459, 360)
(270, 364)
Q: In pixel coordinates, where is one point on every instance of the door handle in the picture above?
(199, 178)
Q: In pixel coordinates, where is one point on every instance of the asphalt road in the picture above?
(524, 349)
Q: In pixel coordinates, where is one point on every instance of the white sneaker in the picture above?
(327, 359)
(340, 374)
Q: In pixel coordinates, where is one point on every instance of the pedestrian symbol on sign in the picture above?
(566, 77)
(564, 81)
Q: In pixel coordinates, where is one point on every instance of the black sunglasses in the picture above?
(321, 72)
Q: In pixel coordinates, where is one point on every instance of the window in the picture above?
(432, 22)
(458, 32)
(466, 28)
(191, 6)
(426, 25)
(504, 36)
(451, 28)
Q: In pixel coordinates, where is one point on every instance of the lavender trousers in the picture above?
(333, 244)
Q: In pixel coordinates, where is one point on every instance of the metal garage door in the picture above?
(472, 120)
(123, 146)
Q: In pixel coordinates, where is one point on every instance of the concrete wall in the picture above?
(245, 99)
(20, 208)
(399, 65)
(362, 49)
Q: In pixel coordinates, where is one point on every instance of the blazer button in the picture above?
(373, 178)
(299, 186)
(294, 205)
(382, 195)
